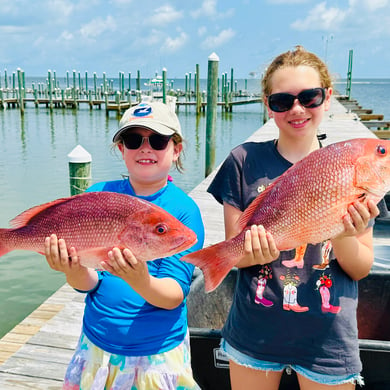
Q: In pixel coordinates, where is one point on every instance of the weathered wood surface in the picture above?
(36, 352)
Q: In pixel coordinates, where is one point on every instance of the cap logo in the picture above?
(142, 111)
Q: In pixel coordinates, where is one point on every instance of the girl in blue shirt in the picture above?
(135, 332)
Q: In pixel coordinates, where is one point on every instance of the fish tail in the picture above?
(215, 262)
(4, 249)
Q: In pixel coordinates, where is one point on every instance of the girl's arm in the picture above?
(58, 258)
(354, 247)
(161, 292)
(259, 247)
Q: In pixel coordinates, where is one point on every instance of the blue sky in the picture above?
(115, 36)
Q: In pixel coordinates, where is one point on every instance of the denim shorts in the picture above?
(248, 361)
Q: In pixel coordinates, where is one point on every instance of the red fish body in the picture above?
(96, 222)
(307, 203)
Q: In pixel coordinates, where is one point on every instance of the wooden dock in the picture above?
(374, 122)
(35, 354)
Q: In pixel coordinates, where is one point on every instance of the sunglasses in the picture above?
(309, 98)
(156, 141)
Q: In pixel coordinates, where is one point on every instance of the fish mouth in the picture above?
(185, 244)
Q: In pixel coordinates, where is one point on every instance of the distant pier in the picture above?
(80, 91)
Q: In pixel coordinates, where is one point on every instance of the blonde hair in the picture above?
(298, 56)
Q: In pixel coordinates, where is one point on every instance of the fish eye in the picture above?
(161, 229)
(381, 150)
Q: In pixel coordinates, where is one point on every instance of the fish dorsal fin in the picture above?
(23, 218)
(247, 214)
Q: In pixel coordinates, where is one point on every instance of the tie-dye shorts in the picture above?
(91, 368)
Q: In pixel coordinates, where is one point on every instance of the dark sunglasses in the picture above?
(309, 98)
(135, 140)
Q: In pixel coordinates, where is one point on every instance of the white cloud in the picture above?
(66, 36)
(174, 44)
(14, 30)
(62, 8)
(153, 38)
(98, 27)
(164, 15)
(209, 9)
(202, 30)
(321, 18)
(121, 2)
(224, 36)
(370, 5)
(287, 1)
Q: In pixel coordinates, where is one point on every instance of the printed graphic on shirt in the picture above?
(325, 256)
(290, 293)
(265, 273)
(297, 261)
(324, 284)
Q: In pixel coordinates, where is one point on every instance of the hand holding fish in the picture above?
(354, 247)
(60, 259)
(161, 292)
(259, 247)
(125, 265)
(358, 217)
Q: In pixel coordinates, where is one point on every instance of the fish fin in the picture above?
(24, 218)
(91, 258)
(215, 262)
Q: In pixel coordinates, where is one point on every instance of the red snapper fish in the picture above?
(94, 223)
(307, 204)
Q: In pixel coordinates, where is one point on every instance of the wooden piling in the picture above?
(20, 91)
(349, 75)
(197, 91)
(211, 116)
(79, 170)
(164, 86)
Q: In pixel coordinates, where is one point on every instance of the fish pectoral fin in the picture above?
(92, 257)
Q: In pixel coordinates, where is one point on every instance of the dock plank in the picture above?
(36, 352)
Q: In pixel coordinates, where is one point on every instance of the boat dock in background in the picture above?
(35, 354)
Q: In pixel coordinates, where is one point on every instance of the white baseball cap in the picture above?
(155, 116)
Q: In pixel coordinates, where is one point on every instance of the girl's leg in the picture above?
(244, 378)
(307, 384)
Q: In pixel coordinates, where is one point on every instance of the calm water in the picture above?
(34, 170)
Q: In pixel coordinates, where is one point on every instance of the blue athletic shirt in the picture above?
(116, 318)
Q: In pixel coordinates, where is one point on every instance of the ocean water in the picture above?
(34, 169)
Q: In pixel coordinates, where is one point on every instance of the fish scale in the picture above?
(307, 203)
(94, 223)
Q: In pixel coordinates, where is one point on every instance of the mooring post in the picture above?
(79, 170)
(50, 89)
(164, 86)
(86, 83)
(5, 79)
(138, 92)
(349, 75)
(20, 91)
(197, 91)
(211, 116)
